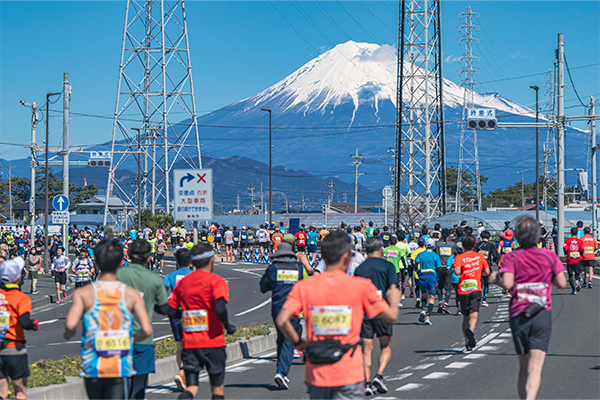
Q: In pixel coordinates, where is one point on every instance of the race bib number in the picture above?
(506, 250)
(588, 250)
(484, 253)
(178, 278)
(331, 320)
(194, 321)
(4, 323)
(533, 292)
(380, 294)
(287, 277)
(446, 251)
(468, 285)
(392, 253)
(574, 254)
(112, 343)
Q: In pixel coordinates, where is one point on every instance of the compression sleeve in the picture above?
(173, 313)
(26, 322)
(162, 309)
(221, 311)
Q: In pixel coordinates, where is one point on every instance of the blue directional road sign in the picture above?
(60, 202)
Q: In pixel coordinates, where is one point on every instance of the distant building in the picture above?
(95, 205)
(21, 212)
(346, 208)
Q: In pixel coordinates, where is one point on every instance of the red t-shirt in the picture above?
(573, 250)
(196, 294)
(301, 238)
(589, 247)
(471, 266)
(334, 305)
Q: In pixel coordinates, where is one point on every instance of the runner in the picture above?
(261, 234)
(228, 236)
(574, 253)
(444, 248)
(219, 237)
(323, 232)
(589, 255)
(382, 274)
(171, 279)
(83, 267)
(282, 228)
(279, 278)
(15, 316)
(236, 242)
(580, 232)
(470, 266)
(106, 307)
(312, 239)
(385, 236)
(334, 294)
(174, 234)
(370, 230)
(487, 250)
(188, 242)
(199, 299)
(359, 239)
(301, 240)
(180, 245)
(530, 272)
(426, 264)
(277, 238)
(161, 247)
(412, 271)
(150, 284)
(403, 252)
(34, 261)
(146, 232)
(59, 267)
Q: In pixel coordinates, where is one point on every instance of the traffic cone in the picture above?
(256, 257)
(267, 258)
(247, 257)
(311, 260)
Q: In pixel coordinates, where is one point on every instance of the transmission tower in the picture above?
(420, 180)
(468, 158)
(549, 147)
(155, 110)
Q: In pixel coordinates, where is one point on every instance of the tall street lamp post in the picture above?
(270, 171)
(537, 157)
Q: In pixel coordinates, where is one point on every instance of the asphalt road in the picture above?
(246, 305)
(428, 362)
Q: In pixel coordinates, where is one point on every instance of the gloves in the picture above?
(37, 324)
(231, 329)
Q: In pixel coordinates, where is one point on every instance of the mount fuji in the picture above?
(346, 99)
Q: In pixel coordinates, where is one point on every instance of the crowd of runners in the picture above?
(345, 285)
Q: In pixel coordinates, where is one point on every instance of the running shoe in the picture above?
(180, 381)
(578, 287)
(418, 303)
(468, 349)
(65, 297)
(400, 304)
(298, 354)
(403, 297)
(411, 295)
(445, 309)
(589, 284)
(440, 309)
(58, 301)
(470, 338)
(280, 381)
(369, 390)
(379, 384)
(574, 292)
(508, 294)
(427, 320)
(484, 304)
(422, 316)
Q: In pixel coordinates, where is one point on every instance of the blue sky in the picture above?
(241, 48)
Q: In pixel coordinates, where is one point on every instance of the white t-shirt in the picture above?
(356, 260)
(228, 237)
(360, 240)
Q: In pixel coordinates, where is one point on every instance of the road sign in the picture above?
(60, 217)
(387, 192)
(481, 118)
(193, 194)
(60, 202)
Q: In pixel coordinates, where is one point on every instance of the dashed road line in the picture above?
(48, 322)
(458, 365)
(417, 367)
(437, 358)
(474, 356)
(410, 386)
(438, 375)
(399, 377)
(488, 348)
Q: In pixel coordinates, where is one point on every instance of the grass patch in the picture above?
(50, 372)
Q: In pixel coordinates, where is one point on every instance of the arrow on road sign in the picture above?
(189, 177)
(60, 202)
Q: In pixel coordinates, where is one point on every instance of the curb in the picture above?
(166, 369)
(47, 299)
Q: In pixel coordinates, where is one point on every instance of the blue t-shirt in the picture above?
(133, 234)
(428, 262)
(170, 280)
(312, 238)
(283, 230)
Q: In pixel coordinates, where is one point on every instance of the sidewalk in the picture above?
(46, 289)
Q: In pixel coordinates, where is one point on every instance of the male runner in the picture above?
(488, 250)
(323, 232)
(382, 274)
(334, 305)
(412, 271)
(83, 267)
(574, 252)
(301, 240)
(470, 266)
(426, 264)
(236, 242)
(359, 239)
(403, 252)
(200, 299)
(589, 255)
(218, 232)
(146, 232)
(150, 284)
(277, 239)
(261, 235)
(312, 239)
(444, 248)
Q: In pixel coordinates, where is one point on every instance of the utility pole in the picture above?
(238, 202)
(302, 204)
(357, 161)
(286, 205)
(262, 204)
(560, 118)
(522, 192)
(252, 197)
(331, 191)
(270, 170)
(65, 152)
(10, 192)
(545, 194)
(594, 183)
(33, 148)
(46, 208)
(537, 155)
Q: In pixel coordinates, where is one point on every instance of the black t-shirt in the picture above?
(444, 250)
(381, 272)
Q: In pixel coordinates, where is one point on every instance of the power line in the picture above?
(572, 84)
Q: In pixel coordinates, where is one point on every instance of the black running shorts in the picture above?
(14, 366)
(213, 359)
(531, 333)
(469, 302)
(60, 277)
(588, 263)
(377, 326)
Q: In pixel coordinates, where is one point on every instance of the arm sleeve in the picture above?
(265, 281)
(221, 311)
(162, 309)
(174, 313)
(26, 322)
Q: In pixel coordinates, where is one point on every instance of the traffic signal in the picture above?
(99, 159)
(481, 119)
(324, 209)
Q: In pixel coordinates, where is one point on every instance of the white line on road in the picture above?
(458, 365)
(488, 348)
(437, 358)
(399, 377)
(247, 272)
(473, 356)
(505, 334)
(596, 277)
(264, 303)
(48, 322)
(156, 339)
(71, 342)
(161, 323)
(409, 386)
(499, 341)
(416, 368)
(438, 375)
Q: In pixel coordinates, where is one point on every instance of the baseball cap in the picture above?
(430, 243)
(508, 234)
(420, 241)
(10, 270)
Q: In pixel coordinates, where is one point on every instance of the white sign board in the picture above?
(193, 200)
(60, 217)
(481, 113)
(100, 154)
(387, 192)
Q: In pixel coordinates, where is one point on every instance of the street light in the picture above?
(270, 171)
(46, 189)
(537, 158)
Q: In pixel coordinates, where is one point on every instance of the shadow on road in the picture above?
(271, 388)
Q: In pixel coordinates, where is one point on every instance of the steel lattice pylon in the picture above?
(468, 182)
(420, 162)
(549, 148)
(155, 121)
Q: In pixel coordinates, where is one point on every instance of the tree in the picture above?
(469, 185)
(20, 192)
(77, 194)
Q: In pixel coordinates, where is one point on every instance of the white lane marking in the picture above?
(262, 361)
(505, 334)
(156, 339)
(596, 277)
(264, 303)
(438, 375)
(416, 368)
(238, 369)
(499, 341)
(437, 358)
(473, 356)
(71, 342)
(383, 398)
(165, 319)
(399, 377)
(48, 322)
(486, 339)
(488, 348)
(161, 323)
(409, 386)
(458, 365)
(247, 272)
(495, 325)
